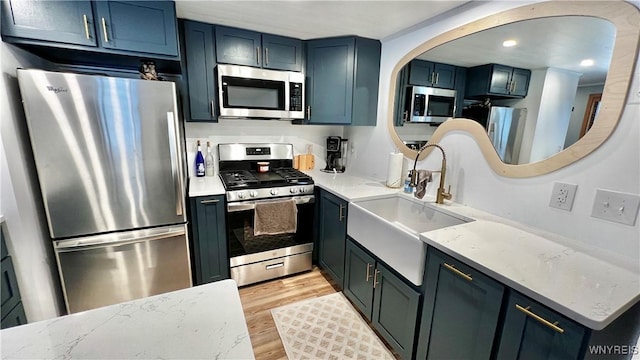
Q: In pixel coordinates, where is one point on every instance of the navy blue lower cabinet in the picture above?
(15, 317)
(358, 279)
(383, 297)
(533, 331)
(208, 230)
(332, 235)
(460, 313)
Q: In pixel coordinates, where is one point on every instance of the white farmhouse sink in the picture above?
(389, 228)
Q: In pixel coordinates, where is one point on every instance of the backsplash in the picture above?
(258, 131)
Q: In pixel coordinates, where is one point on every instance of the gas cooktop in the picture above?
(247, 179)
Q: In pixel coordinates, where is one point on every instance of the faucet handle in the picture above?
(447, 194)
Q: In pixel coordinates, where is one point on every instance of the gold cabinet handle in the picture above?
(368, 272)
(104, 30)
(437, 77)
(308, 112)
(514, 87)
(212, 108)
(257, 55)
(375, 278)
(266, 56)
(546, 322)
(341, 215)
(463, 275)
(207, 202)
(86, 26)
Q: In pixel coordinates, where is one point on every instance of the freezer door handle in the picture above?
(120, 239)
(171, 127)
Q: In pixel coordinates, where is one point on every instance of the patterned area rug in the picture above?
(327, 327)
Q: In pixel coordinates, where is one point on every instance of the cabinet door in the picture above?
(460, 311)
(532, 331)
(238, 46)
(330, 80)
(210, 240)
(445, 76)
(14, 318)
(140, 26)
(10, 293)
(332, 235)
(69, 22)
(358, 277)
(281, 53)
(520, 82)
(200, 66)
(421, 73)
(395, 310)
(500, 79)
(400, 114)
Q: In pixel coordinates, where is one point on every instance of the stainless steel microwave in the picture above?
(246, 92)
(429, 105)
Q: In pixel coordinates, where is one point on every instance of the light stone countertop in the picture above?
(205, 186)
(202, 322)
(586, 284)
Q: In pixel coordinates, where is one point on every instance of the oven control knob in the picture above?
(241, 195)
(274, 191)
(253, 193)
(293, 190)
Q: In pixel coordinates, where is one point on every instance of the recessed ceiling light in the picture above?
(586, 62)
(509, 43)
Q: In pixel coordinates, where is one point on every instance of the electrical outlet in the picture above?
(563, 195)
(616, 206)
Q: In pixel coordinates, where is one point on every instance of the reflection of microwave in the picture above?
(247, 92)
(429, 105)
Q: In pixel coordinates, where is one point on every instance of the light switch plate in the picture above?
(563, 195)
(616, 206)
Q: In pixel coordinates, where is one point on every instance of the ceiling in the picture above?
(305, 19)
(557, 42)
(542, 43)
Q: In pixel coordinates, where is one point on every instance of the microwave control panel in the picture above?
(295, 94)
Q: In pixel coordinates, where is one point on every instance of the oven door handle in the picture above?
(251, 204)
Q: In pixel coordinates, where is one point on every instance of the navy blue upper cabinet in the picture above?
(200, 62)
(106, 26)
(140, 26)
(460, 312)
(426, 73)
(497, 81)
(250, 48)
(342, 81)
(69, 22)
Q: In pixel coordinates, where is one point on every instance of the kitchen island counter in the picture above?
(202, 322)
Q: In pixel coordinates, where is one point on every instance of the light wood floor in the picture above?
(258, 300)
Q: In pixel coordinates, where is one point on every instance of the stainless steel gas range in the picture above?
(255, 174)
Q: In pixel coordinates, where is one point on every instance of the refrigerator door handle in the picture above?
(109, 240)
(174, 162)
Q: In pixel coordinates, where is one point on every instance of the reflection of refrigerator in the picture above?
(108, 160)
(505, 126)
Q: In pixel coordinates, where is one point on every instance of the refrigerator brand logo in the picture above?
(56, 89)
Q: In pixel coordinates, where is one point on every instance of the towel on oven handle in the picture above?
(275, 217)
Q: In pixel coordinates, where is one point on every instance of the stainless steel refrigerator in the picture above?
(505, 127)
(108, 161)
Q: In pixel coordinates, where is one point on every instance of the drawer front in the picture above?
(10, 293)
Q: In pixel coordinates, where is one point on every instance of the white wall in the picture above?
(235, 130)
(614, 166)
(27, 236)
(557, 100)
(579, 109)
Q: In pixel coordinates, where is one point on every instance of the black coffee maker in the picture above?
(336, 154)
